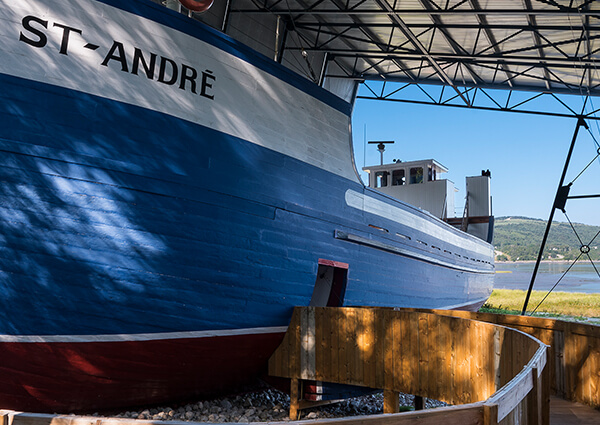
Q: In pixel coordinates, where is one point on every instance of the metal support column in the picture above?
(559, 202)
(281, 39)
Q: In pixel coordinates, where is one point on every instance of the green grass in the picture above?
(575, 304)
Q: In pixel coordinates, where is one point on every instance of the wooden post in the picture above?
(391, 401)
(294, 399)
(490, 414)
(559, 362)
(534, 400)
(545, 384)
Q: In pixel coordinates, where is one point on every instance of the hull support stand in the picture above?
(562, 193)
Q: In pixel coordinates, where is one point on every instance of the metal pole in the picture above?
(225, 23)
(560, 195)
(324, 69)
(277, 38)
(282, 41)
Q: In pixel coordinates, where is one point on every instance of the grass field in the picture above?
(507, 301)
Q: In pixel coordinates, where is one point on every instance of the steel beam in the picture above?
(418, 12)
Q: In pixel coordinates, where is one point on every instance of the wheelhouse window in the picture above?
(381, 179)
(398, 178)
(416, 175)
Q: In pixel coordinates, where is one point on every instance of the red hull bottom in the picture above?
(67, 377)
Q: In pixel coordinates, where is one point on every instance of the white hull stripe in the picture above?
(379, 208)
(141, 337)
(407, 253)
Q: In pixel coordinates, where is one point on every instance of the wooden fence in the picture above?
(573, 355)
(492, 372)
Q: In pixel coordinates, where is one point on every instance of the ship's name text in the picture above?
(153, 66)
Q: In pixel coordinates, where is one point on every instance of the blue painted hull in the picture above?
(122, 220)
(233, 228)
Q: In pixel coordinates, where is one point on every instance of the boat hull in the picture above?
(157, 232)
(78, 376)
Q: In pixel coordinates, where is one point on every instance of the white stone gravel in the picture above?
(265, 406)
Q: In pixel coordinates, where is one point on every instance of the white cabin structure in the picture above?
(417, 183)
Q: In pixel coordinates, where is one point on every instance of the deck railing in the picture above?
(573, 352)
(490, 374)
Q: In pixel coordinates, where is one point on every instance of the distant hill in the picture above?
(519, 239)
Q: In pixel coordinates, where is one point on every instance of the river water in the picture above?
(582, 277)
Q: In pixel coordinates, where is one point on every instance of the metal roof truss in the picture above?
(469, 47)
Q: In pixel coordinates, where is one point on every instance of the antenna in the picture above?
(365, 146)
(381, 146)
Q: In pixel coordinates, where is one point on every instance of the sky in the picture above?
(525, 153)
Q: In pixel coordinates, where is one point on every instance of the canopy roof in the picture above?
(539, 45)
(459, 47)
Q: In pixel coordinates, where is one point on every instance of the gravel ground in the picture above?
(264, 406)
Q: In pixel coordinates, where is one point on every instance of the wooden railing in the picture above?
(490, 373)
(573, 353)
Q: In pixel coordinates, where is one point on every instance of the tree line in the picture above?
(519, 239)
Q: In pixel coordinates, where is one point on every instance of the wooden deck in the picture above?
(563, 412)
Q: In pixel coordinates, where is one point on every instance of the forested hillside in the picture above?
(519, 239)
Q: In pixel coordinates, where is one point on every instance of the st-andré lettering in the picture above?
(128, 59)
